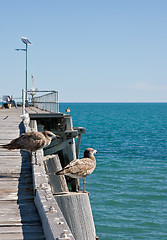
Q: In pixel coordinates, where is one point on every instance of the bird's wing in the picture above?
(29, 142)
(33, 135)
(79, 166)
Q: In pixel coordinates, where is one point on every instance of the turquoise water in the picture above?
(129, 185)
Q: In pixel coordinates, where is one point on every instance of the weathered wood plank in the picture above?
(20, 232)
(19, 218)
(52, 165)
(77, 212)
(58, 147)
(52, 219)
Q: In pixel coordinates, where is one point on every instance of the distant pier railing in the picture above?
(48, 101)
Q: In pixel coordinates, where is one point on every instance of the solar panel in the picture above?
(25, 40)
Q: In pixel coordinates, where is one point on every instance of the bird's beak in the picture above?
(95, 151)
(56, 136)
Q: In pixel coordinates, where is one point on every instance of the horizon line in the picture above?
(107, 102)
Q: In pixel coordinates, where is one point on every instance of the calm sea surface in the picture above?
(129, 185)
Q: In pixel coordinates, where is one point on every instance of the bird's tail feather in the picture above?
(3, 146)
(7, 146)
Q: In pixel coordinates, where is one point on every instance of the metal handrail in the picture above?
(48, 102)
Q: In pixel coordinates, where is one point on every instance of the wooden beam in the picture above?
(52, 219)
(52, 165)
(55, 148)
(78, 214)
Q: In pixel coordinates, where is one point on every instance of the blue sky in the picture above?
(90, 51)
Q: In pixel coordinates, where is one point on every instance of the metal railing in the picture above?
(48, 101)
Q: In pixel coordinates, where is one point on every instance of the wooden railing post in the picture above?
(70, 153)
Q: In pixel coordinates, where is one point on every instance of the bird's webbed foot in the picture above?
(84, 191)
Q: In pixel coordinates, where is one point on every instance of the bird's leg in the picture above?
(77, 185)
(35, 153)
(84, 184)
(84, 191)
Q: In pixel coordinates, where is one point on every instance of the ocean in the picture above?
(128, 188)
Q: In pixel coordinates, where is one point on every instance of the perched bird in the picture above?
(31, 141)
(80, 168)
(68, 110)
(26, 119)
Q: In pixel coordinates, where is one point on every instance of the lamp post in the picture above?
(26, 42)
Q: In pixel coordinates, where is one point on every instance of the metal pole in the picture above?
(57, 102)
(23, 101)
(26, 78)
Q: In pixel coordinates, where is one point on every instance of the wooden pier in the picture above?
(34, 203)
(19, 218)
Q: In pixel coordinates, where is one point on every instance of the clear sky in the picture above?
(90, 51)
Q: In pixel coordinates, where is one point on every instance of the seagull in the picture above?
(31, 141)
(80, 168)
(68, 110)
(26, 118)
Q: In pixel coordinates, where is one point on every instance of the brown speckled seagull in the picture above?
(80, 168)
(31, 141)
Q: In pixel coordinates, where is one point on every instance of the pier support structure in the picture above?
(73, 205)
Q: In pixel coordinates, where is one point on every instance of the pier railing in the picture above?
(48, 101)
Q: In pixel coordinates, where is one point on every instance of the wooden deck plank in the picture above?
(19, 218)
